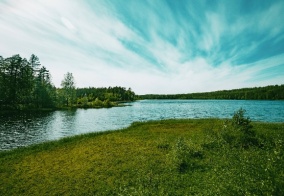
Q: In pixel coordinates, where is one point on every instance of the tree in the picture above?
(44, 91)
(130, 95)
(26, 82)
(68, 87)
(16, 80)
(34, 61)
(2, 87)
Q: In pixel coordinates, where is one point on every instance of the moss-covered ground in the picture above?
(171, 157)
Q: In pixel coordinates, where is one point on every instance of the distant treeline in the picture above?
(25, 84)
(273, 92)
(112, 93)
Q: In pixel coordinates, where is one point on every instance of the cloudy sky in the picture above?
(154, 46)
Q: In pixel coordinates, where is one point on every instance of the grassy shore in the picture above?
(171, 157)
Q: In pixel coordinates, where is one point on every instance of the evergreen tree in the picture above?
(44, 91)
(16, 80)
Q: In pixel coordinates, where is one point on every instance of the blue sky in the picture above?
(154, 46)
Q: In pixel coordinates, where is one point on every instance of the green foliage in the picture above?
(112, 94)
(242, 123)
(103, 97)
(107, 103)
(83, 102)
(68, 88)
(238, 132)
(27, 85)
(97, 103)
(273, 92)
(185, 155)
(44, 92)
(24, 84)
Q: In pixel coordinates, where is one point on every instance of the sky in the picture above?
(151, 46)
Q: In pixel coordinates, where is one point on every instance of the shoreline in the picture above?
(187, 156)
(66, 138)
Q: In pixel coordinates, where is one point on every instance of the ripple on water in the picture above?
(25, 129)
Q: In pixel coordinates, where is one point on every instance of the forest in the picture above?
(26, 84)
(97, 97)
(272, 92)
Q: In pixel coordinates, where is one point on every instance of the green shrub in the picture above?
(107, 103)
(83, 102)
(212, 138)
(97, 103)
(185, 155)
(238, 132)
(242, 123)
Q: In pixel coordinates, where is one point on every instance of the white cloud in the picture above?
(88, 41)
(68, 24)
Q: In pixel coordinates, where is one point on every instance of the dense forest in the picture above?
(111, 93)
(96, 97)
(273, 92)
(26, 84)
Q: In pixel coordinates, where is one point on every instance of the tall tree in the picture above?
(44, 93)
(34, 61)
(12, 69)
(68, 88)
(16, 78)
(26, 82)
(2, 87)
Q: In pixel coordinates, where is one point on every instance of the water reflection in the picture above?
(22, 129)
(61, 124)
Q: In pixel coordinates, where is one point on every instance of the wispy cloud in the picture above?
(151, 46)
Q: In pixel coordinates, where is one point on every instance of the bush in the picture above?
(97, 103)
(83, 102)
(238, 132)
(185, 156)
(242, 123)
(107, 103)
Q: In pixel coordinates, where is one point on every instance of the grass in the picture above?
(171, 157)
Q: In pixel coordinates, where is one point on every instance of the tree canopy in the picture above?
(26, 84)
(68, 89)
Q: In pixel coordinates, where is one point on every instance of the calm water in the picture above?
(23, 129)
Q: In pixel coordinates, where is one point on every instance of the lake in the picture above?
(23, 129)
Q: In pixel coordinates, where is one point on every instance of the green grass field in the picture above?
(171, 157)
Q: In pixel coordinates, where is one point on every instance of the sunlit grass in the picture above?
(172, 157)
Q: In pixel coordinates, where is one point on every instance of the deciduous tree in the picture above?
(68, 87)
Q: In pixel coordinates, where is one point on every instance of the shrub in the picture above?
(242, 123)
(97, 103)
(185, 155)
(83, 102)
(107, 103)
(238, 132)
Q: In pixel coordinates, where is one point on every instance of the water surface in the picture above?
(23, 129)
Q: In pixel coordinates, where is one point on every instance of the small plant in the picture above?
(238, 132)
(241, 123)
(185, 155)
